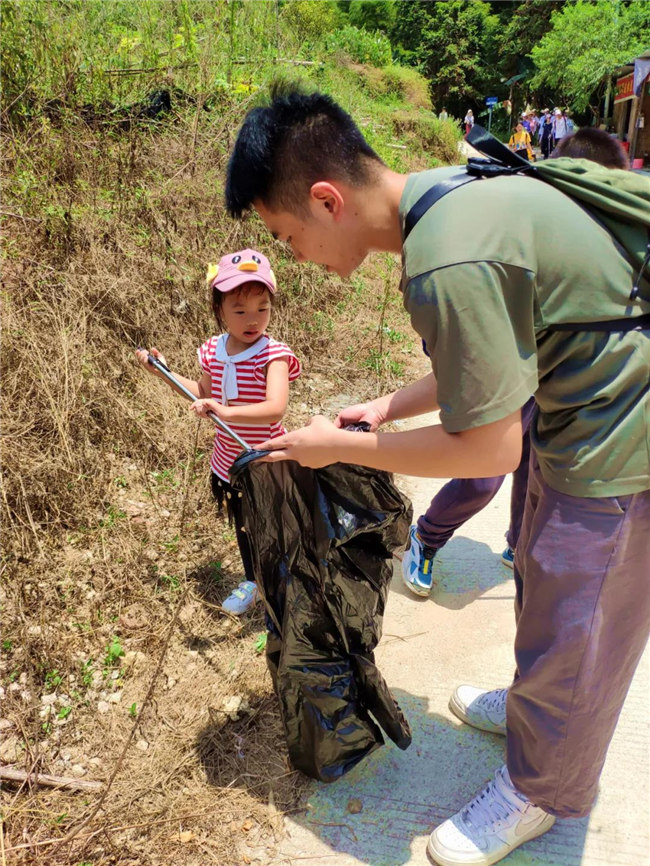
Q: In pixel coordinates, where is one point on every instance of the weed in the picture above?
(170, 581)
(64, 712)
(87, 672)
(53, 680)
(112, 517)
(260, 642)
(133, 710)
(121, 481)
(171, 546)
(7, 645)
(215, 571)
(114, 652)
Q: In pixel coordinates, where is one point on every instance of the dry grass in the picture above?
(117, 661)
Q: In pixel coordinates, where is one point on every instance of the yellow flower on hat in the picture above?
(213, 270)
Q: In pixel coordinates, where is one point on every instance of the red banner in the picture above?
(624, 88)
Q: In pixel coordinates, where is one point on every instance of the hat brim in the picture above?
(239, 279)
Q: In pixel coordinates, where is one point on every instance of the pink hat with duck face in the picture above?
(235, 269)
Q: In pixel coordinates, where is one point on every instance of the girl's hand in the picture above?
(360, 413)
(202, 407)
(313, 446)
(142, 356)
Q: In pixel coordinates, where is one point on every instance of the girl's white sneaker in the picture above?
(489, 827)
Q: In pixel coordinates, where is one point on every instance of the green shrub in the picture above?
(310, 20)
(401, 82)
(360, 45)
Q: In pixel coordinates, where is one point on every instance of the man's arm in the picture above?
(429, 452)
(415, 399)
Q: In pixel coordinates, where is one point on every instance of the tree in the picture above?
(587, 43)
(372, 14)
(454, 44)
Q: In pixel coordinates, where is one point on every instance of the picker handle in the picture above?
(173, 381)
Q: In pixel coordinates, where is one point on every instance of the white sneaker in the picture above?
(485, 710)
(489, 827)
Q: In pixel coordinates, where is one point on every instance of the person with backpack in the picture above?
(506, 309)
(520, 142)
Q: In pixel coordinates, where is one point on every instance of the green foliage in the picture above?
(372, 15)
(586, 44)
(360, 45)
(311, 20)
(400, 83)
(454, 44)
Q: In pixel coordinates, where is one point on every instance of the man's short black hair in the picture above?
(285, 147)
(595, 144)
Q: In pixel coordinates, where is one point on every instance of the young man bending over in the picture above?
(485, 277)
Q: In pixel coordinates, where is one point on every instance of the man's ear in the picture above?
(324, 194)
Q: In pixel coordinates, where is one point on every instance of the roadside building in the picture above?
(631, 117)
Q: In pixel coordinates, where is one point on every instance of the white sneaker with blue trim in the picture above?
(417, 565)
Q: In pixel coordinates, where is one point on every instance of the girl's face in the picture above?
(246, 312)
(520, 127)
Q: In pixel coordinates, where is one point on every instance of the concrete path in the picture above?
(463, 634)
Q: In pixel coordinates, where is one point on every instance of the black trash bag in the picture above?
(322, 543)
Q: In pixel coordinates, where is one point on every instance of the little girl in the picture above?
(245, 382)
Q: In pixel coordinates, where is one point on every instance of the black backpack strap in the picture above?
(430, 197)
(486, 143)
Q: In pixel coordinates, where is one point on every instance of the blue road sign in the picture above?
(491, 100)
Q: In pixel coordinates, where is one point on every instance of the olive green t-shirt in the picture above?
(486, 270)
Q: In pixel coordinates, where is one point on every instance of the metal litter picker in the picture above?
(173, 381)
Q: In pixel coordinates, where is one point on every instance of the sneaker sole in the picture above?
(508, 563)
(443, 860)
(416, 590)
(459, 711)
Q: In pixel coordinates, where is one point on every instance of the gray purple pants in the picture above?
(582, 570)
(462, 498)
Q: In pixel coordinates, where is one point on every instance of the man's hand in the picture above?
(314, 446)
(368, 413)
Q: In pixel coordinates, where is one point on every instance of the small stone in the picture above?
(143, 745)
(151, 555)
(103, 707)
(133, 659)
(35, 630)
(171, 682)
(115, 698)
(165, 513)
(22, 679)
(355, 806)
(115, 675)
(10, 749)
(193, 653)
(98, 678)
(48, 700)
(5, 724)
(95, 762)
(14, 687)
(26, 695)
(78, 770)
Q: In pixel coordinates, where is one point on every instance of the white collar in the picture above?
(229, 389)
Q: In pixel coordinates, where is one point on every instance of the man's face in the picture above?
(317, 237)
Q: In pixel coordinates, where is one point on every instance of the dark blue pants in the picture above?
(462, 498)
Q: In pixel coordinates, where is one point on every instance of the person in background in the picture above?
(525, 122)
(545, 133)
(244, 381)
(559, 125)
(443, 115)
(468, 120)
(520, 142)
(483, 300)
(595, 144)
(533, 123)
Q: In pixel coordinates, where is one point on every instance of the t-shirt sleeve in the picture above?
(205, 354)
(275, 352)
(477, 320)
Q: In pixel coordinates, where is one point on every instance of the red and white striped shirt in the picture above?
(251, 387)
